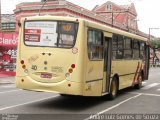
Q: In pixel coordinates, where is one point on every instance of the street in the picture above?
(130, 104)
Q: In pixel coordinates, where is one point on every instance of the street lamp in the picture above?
(150, 32)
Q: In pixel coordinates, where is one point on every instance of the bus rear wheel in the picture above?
(64, 95)
(113, 89)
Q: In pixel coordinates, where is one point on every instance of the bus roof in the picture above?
(114, 30)
(48, 17)
(88, 23)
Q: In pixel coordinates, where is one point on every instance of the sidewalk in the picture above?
(7, 80)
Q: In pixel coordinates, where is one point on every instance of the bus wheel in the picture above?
(113, 89)
(139, 85)
(64, 95)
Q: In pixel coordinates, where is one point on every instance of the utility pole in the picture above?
(117, 13)
(149, 38)
(44, 2)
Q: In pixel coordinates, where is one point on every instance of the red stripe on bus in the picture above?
(136, 73)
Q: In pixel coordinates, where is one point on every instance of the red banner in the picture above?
(32, 35)
(8, 39)
(32, 31)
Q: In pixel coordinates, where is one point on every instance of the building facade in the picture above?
(118, 16)
(8, 45)
(123, 14)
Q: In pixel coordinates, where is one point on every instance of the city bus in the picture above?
(74, 56)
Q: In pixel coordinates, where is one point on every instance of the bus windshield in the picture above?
(50, 33)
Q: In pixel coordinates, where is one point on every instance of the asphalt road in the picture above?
(131, 104)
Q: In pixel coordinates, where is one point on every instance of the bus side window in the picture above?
(127, 48)
(95, 44)
(142, 44)
(117, 46)
(136, 48)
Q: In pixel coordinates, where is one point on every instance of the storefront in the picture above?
(8, 53)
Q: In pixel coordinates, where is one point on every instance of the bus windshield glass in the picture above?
(50, 33)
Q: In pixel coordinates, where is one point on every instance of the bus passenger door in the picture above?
(107, 61)
(147, 61)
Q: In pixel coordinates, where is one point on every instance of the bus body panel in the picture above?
(127, 71)
(52, 65)
(46, 67)
(63, 87)
(94, 78)
(50, 69)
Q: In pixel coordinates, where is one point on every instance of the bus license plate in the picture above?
(46, 75)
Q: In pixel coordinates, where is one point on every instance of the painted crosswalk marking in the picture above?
(150, 86)
(144, 82)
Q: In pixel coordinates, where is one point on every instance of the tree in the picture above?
(155, 45)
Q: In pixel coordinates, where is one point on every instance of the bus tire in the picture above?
(64, 95)
(139, 85)
(113, 89)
